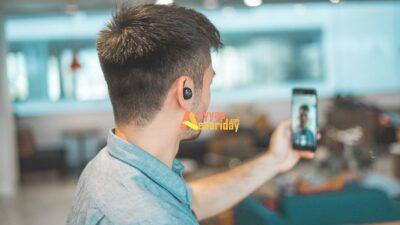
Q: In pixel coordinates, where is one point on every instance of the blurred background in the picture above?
(55, 111)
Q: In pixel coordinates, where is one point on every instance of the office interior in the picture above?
(55, 112)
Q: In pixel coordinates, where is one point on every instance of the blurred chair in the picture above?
(349, 113)
(33, 159)
(349, 138)
(353, 205)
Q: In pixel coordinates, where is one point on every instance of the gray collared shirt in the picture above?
(124, 184)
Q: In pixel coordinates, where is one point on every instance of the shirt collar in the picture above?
(171, 180)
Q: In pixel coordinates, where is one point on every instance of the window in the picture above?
(53, 79)
(86, 82)
(17, 76)
(43, 72)
(269, 59)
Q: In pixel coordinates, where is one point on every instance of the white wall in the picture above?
(48, 130)
(8, 168)
(366, 49)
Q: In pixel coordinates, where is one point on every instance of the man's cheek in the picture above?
(206, 103)
(208, 97)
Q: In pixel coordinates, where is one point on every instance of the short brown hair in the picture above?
(145, 48)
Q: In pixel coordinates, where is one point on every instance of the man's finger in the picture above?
(306, 154)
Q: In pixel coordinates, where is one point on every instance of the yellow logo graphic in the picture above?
(208, 121)
(192, 123)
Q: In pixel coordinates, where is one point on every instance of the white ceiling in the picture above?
(18, 7)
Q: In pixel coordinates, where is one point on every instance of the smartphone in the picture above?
(304, 119)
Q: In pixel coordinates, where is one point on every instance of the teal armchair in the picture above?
(353, 205)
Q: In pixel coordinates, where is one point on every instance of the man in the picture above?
(303, 136)
(156, 61)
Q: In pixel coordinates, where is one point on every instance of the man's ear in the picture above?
(180, 84)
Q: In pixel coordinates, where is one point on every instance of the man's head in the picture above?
(303, 115)
(147, 50)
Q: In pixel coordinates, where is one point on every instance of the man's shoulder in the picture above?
(120, 192)
(107, 176)
(131, 199)
(105, 165)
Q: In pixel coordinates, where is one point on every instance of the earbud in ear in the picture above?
(187, 93)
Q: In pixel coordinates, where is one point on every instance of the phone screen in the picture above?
(304, 119)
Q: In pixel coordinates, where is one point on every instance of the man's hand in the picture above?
(281, 151)
(216, 193)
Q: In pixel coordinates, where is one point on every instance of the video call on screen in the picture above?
(304, 113)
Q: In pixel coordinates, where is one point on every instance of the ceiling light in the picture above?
(164, 2)
(252, 3)
(335, 1)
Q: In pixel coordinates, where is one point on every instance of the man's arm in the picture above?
(214, 194)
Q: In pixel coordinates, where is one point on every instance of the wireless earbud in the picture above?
(187, 93)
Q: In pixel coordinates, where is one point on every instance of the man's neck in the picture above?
(157, 139)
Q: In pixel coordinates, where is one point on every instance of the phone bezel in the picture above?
(308, 91)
